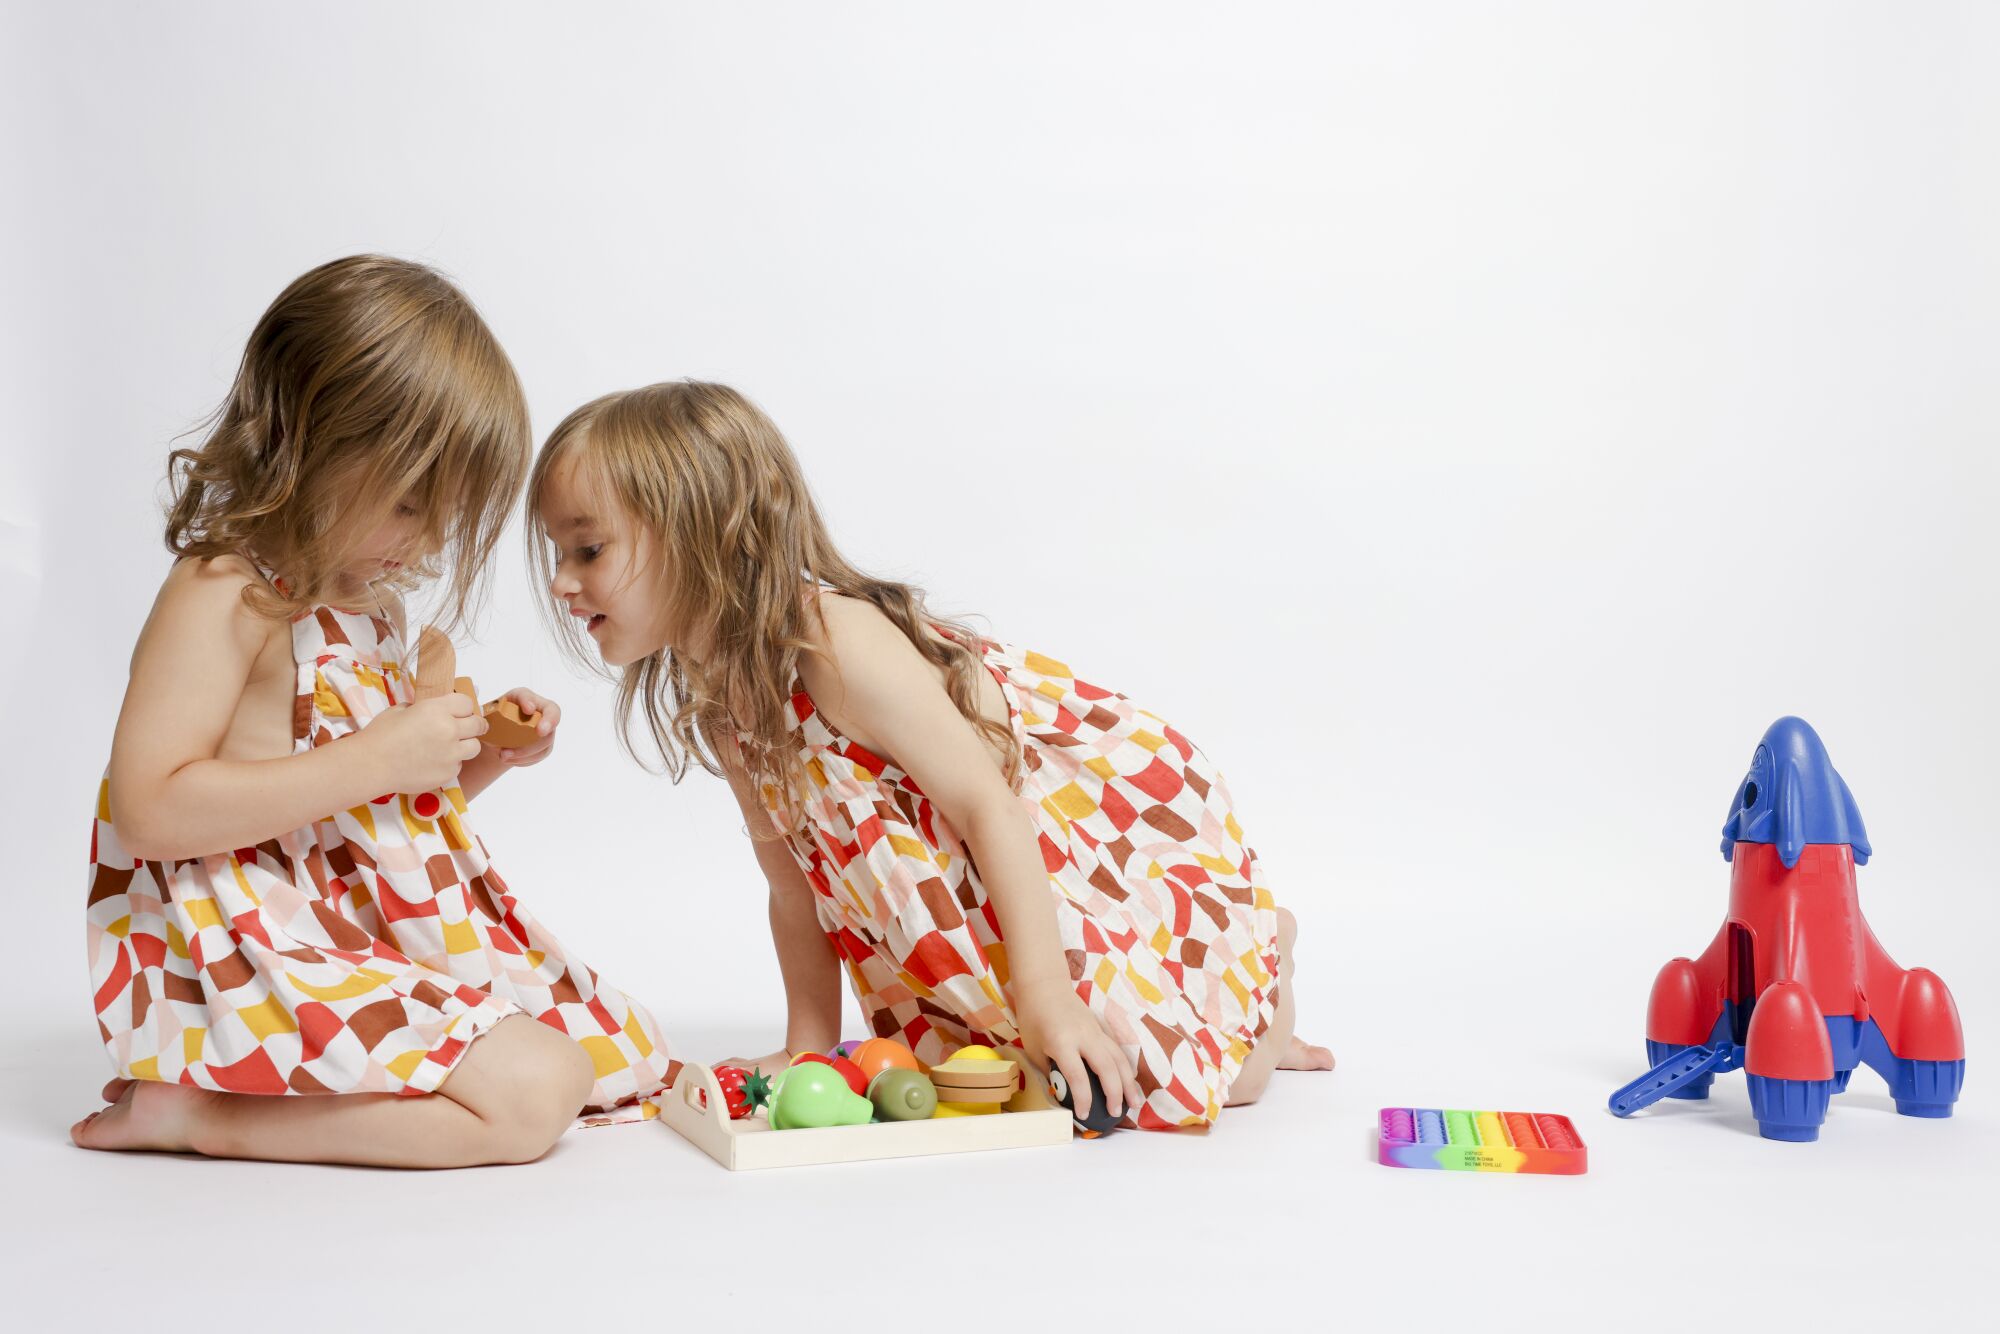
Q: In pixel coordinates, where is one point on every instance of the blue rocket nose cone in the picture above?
(1792, 796)
(1794, 739)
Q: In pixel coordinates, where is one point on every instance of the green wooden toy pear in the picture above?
(817, 1095)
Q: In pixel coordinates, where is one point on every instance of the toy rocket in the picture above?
(1794, 988)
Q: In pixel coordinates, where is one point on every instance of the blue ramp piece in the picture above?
(1682, 1068)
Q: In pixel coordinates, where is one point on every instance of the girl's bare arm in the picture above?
(805, 957)
(891, 695)
(171, 796)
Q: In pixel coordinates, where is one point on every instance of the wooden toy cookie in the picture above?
(976, 1074)
(507, 727)
(974, 1080)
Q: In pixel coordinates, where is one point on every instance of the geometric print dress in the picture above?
(361, 954)
(1170, 931)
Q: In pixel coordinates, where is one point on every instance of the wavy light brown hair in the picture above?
(370, 383)
(711, 478)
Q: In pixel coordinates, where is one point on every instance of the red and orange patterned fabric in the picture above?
(1170, 930)
(361, 954)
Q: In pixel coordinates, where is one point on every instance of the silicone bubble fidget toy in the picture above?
(1462, 1141)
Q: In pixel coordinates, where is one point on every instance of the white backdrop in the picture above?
(1471, 423)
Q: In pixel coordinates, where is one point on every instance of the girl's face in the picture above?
(607, 572)
(392, 545)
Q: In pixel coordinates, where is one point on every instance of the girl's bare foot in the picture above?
(142, 1115)
(1299, 1055)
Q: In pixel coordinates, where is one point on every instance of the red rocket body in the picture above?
(1794, 987)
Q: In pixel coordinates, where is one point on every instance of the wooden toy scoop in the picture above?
(437, 674)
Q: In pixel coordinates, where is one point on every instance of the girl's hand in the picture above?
(768, 1065)
(1058, 1029)
(419, 747)
(519, 757)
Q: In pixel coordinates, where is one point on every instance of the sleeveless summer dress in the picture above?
(361, 954)
(1170, 930)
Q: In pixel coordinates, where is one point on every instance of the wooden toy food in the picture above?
(902, 1095)
(695, 1110)
(879, 1054)
(507, 728)
(817, 1095)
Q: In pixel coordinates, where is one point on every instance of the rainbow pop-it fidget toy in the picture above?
(1459, 1141)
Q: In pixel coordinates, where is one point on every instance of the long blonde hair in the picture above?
(712, 480)
(370, 382)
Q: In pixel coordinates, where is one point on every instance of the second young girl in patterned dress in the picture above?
(996, 851)
(298, 946)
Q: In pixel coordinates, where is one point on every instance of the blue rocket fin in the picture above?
(1790, 810)
(1857, 835)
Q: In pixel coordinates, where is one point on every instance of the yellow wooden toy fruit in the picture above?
(974, 1056)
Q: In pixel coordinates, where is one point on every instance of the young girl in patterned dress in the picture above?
(995, 850)
(298, 948)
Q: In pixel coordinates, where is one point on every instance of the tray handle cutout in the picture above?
(697, 1086)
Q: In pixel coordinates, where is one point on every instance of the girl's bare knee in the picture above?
(571, 1077)
(551, 1082)
(528, 1086)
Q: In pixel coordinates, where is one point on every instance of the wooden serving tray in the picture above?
(1031, 1119)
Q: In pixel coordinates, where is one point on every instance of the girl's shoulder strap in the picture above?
(325, 630)
(271, 576)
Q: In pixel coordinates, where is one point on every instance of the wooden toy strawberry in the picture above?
(744, 1090)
